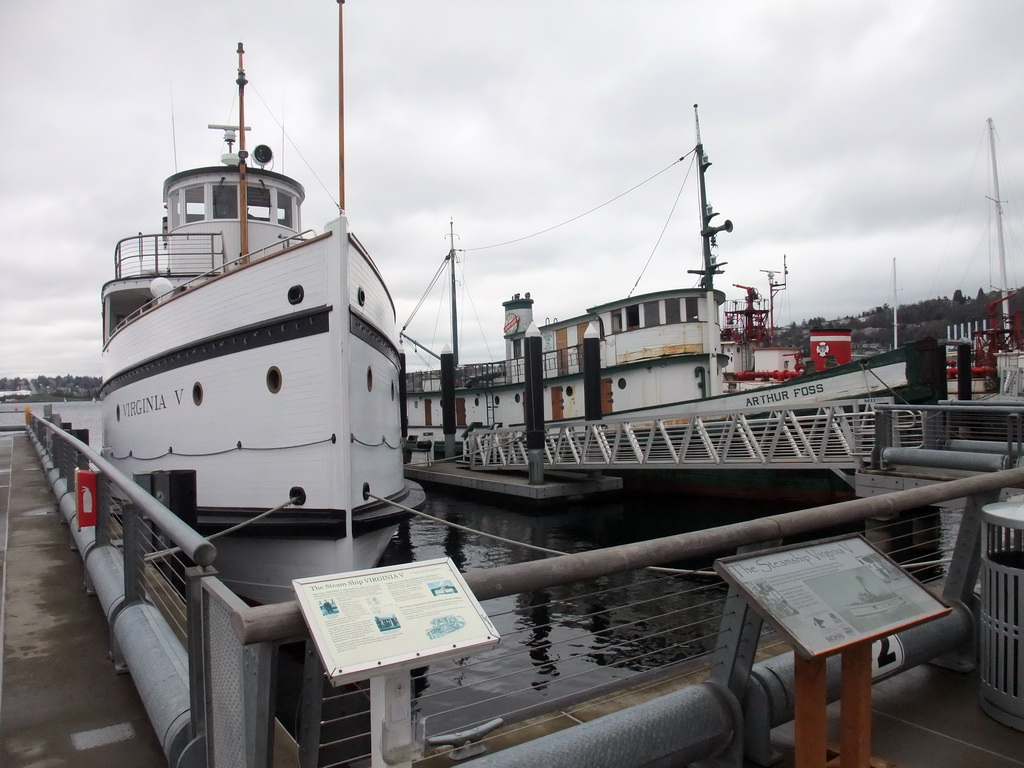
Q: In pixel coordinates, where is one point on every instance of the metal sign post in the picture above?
(378, 624)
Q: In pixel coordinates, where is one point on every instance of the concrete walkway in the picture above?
(61, 702)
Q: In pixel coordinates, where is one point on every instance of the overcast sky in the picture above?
(845, 135)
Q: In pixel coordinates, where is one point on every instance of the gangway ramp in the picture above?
(837, 435)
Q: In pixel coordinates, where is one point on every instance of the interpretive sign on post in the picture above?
(830, 594)
(365, 623)
(827, 597)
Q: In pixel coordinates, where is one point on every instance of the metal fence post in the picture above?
(883, 436)
(962, 577)
(133, 529)
(311, 704)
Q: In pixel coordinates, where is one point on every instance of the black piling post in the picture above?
(534, 405)
(963, 371)
(448, 401)
(403, 408)
(592, 374)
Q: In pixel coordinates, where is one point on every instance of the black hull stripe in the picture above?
(275, 331)
(365, 331)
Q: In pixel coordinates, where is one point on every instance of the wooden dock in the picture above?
(557, 485)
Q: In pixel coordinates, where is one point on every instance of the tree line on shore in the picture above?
(46, 387)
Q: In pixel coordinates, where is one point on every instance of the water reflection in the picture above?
(560, 642)
(579, 635)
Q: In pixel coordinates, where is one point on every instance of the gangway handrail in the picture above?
(836, 435)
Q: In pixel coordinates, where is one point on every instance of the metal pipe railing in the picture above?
(142, 639)
(284, 620)
(195, 546)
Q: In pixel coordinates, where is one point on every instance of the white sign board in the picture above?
(388, 618)
(829, 594)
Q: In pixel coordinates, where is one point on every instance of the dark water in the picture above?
(559, 642)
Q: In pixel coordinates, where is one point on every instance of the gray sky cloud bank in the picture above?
(844, 135)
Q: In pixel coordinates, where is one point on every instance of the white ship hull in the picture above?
(266, 398)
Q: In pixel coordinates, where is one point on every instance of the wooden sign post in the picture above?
(833, 596)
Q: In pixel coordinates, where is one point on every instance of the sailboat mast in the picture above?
(1005, 305)
(243, 201)
(341, 105)
(895, 308)
(455, 314)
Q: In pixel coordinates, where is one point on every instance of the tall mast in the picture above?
(1005, 306)
(713, 340)
(707, 232)
(773, 289)
(243, 202)
(455, 316)
(341, 105)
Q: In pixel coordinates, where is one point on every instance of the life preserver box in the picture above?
(85, 495)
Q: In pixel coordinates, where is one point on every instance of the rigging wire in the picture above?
(273, 117)
(174, 136)
(663, 229)
(467, 295)
(433, 280)
(957, 220)
(585, 213)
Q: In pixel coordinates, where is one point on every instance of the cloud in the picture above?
(845, 136)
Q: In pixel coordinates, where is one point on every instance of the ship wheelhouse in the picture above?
(201, 235)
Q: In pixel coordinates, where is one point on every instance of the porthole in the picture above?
(369, 379)
(622, 383)
(518, 397)
(197, 393)
(568, 391)
(296, 294)
(118, 413)
(361, 297)
(392, 390)
(497, 399)
(274, 379)
(476, 401)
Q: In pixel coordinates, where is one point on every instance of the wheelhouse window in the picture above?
(225, 201)
(173, 211)
(652, 314)
(672, 311)
(616, 321)
(692, 315)
(285, 206)
(195, 204)
(632, 317)
(258, 203)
